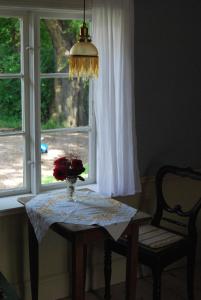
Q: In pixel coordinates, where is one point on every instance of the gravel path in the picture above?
(59, 144)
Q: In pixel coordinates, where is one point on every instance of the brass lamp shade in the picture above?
(83, 58)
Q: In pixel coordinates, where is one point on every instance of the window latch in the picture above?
(29, 48)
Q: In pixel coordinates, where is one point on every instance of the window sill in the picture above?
(10, 205)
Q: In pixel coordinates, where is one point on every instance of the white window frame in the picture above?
(23, 76)
(30, 77)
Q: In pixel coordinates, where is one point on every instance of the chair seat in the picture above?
(155, 237)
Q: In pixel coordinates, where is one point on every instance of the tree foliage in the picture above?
(56, 37)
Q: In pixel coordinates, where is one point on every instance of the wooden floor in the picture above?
(174, 287)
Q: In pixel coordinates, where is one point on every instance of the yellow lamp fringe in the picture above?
(83, 66)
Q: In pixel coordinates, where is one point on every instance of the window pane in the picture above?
(9, 45)
(57, 37)
(64, 103)
(58, 144)
(11, 162)
(10, 105)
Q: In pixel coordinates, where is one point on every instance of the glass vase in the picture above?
(70, 190)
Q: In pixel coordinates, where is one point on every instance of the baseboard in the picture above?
(58, 286)
(50, 288)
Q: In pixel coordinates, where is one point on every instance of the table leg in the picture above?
(79, 256)
(33, 261)
(131, 263)
(107, 269)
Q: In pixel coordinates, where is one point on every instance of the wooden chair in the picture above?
(160, 246)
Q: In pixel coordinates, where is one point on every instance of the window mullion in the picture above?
(34, 56)
(25, 98)
(53, 75)
(11, 76)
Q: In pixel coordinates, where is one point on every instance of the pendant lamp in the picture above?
(83, 58)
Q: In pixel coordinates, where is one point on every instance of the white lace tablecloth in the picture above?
(90, 209)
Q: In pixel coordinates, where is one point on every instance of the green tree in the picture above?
(63, 101)
(69, 105)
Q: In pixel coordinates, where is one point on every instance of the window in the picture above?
(44, 114)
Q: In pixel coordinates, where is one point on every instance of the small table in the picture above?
(82, 236)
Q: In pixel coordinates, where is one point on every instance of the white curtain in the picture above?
(113, 35)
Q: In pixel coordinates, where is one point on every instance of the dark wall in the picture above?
(168, 83)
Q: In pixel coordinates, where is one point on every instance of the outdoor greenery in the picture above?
(10, 103)
(57, 37)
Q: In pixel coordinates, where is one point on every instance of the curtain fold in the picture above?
(113, 35)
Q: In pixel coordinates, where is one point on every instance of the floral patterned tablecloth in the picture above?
(89, 209)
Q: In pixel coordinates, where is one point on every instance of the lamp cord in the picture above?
(84, 11)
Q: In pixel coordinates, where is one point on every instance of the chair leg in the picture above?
(190, 275)
(107, 270)
(156, 273)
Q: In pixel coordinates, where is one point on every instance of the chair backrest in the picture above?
(163, 209)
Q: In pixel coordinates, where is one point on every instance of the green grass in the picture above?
(10, 122)
(85, 174)
(52, 124)
(48, 179)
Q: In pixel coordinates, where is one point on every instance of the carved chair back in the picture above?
(165, 212)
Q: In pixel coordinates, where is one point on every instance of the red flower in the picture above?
(62, 161)
(68, 167)
(77, 164)
(60, 173)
